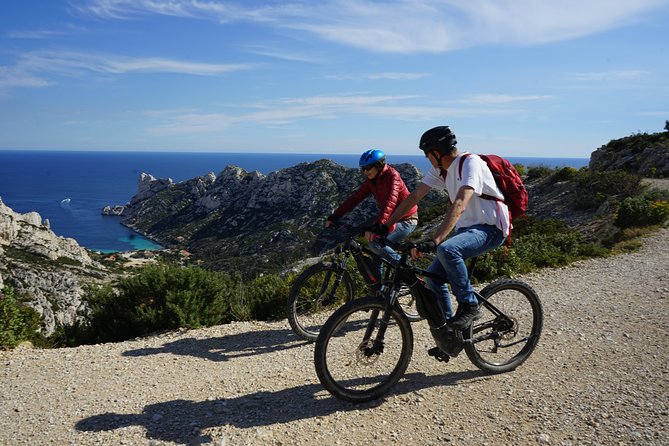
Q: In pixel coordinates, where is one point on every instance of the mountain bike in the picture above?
(327, 285)
(365, 347)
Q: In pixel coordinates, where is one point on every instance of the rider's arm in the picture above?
(459, 205)
(351, 202)
(414, 197)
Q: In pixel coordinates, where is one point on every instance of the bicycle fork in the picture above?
(374, 346)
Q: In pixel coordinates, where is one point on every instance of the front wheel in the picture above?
(501, 342)
(358, 355)
(316, 293)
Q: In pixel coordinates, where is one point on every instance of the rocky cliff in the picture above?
(245, 220)
(48, 272)
(646, 155)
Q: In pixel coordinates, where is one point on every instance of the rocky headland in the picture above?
(246, 220)
(49, 273)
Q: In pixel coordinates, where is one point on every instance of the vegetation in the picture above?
(167, 296)
(18, 323)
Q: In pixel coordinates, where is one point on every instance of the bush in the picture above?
(641, 211)
(537, 244)
(538, 172)
(18, 323)
(594, 188)
(565, 174)
(159, 297)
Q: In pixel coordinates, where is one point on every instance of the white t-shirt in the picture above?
(477, 175)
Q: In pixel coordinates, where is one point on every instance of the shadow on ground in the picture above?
(224, 348)
(184, 422)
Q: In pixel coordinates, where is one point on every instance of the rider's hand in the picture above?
(379, 229)
(332, 219)
(370, 236)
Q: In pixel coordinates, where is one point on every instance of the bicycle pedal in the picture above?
(437, 354)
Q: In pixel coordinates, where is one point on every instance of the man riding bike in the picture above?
(479, 225)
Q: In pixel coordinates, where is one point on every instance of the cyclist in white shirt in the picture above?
(478, 225)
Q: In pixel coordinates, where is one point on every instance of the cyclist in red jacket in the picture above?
(388, 189)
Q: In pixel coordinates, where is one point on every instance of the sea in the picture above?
(70, 188)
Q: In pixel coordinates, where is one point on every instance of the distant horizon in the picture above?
(212, 152)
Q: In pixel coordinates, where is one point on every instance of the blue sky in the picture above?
(513, 77)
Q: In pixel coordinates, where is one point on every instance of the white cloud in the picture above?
(33, 69)
(289, 110)
(606, 76)
(74, 62)
(394, 76)
(497, 99)
(408, 26)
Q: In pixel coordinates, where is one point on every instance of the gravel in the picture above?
(600, 376)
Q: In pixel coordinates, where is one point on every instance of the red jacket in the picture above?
(388, 189)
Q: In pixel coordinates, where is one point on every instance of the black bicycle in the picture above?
(365, 347)
(327, 285)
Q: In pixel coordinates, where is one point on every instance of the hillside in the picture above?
(598, 377)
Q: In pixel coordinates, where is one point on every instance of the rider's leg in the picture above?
(452, 253)
(440, 288)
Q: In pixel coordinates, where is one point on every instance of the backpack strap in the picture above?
(484, 196)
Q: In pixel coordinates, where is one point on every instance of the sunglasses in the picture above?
(366, 168)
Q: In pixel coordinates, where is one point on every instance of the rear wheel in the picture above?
(316, 293)
(356, 363)
(500, 343)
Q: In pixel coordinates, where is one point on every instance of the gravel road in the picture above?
(600, 376)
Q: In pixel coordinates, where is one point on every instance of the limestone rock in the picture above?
(48, 272)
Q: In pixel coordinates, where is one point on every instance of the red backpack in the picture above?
(508, 181)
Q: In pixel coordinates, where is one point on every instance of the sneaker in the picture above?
(437, 354)
(464, 316)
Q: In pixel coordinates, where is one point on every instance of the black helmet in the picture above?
(439, 138)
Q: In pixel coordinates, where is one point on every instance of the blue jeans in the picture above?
(402, 231)
(450, 263)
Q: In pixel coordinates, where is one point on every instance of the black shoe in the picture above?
(436, 353)
(464, 316)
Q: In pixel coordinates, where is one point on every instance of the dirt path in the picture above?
(600, 376)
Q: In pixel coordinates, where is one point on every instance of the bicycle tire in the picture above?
(496, 346)
(349, 371)
(407, 303)
(312, 298)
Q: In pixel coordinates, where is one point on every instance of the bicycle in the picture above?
(365, 347)
(327, 285)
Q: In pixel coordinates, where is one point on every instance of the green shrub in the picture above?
(593, 188)
(18, 323)
(538, 172)
(537, 244)
(641, 211)
(267, 296)
(159, 297)
(565, 174)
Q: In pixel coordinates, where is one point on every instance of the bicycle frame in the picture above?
(404, 272)
(361, 255)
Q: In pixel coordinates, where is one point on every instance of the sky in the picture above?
(511, 77)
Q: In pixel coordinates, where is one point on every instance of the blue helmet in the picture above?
(372, 156)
